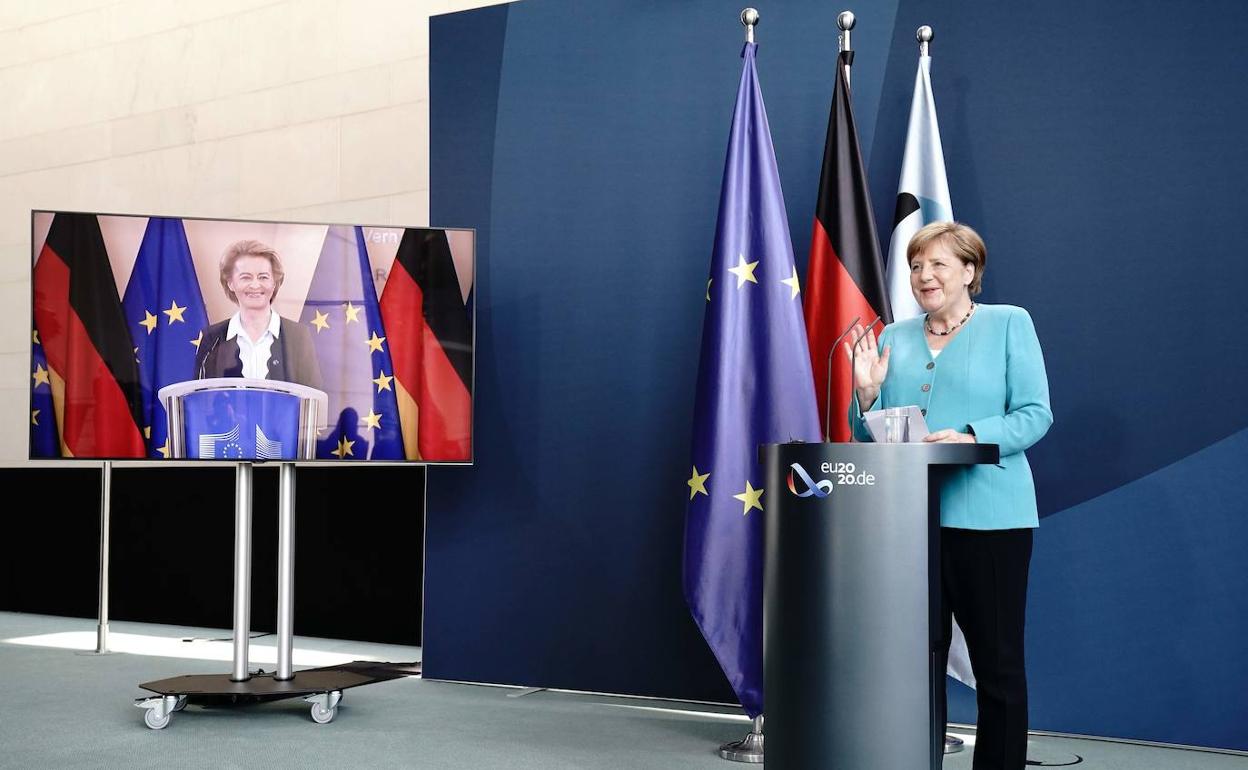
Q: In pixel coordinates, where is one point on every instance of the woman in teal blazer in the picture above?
(977, 373)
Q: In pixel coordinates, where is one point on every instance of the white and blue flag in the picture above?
(922, 194)
(922, 198)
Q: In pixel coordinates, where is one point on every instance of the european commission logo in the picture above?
(226, 446)
(821, 488)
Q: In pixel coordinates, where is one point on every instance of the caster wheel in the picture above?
(322, 715)
(181, 704)
(154, 720)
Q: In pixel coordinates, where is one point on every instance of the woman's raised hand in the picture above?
(870, 366)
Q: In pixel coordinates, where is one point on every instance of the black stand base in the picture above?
(322, 687)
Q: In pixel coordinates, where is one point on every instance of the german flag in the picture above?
(90, 357)
(845, 276)
(431, 348)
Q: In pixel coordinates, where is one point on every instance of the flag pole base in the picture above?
(953, 744)
(749, 749)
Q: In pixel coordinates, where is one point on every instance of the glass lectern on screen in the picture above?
(181, 338)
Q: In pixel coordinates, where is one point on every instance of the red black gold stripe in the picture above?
(83, 329)
(845, 276)
(430, 335)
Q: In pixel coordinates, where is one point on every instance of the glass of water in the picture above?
(896, 425)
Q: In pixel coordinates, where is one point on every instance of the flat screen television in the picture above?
(210, 339)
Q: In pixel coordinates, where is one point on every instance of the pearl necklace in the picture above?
(927, 324)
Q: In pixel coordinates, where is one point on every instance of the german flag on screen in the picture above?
(83, 330)
(430, 334)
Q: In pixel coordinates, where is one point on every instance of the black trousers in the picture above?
(984, 585)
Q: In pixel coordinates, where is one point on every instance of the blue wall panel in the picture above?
(586, 141)
(1138, 607)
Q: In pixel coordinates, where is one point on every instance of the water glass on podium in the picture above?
(896, 425)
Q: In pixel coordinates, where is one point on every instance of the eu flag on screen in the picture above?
(354, 354)
(166, 317)
(43, 437)
(754, 387)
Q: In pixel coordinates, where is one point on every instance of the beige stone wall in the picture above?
(312, 110)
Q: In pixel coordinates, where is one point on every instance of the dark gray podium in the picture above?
(851, 603)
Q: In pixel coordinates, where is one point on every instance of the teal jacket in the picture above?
(989, 380)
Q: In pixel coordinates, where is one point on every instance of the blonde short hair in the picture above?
(249, 248)
(963, 242)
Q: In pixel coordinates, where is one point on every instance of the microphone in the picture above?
(827, 400)
(203, 363)
(853, 360)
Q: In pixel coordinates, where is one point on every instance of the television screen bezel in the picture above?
(319, 462)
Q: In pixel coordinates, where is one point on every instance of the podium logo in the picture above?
(846, 475)
(227, 446)
(267, 448)
(821, 488)
(220, 446)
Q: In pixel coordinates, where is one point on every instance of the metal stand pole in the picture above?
(106, 489)
(285, 570)
(748, 749)
(242, 571)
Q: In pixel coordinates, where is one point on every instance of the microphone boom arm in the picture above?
(827, 400)
(853, 361)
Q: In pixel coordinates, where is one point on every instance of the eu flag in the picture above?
(754, 387)
(166, 317)
(353, 351)
(44, 441)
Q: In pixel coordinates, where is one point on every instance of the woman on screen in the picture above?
(256, 342)
(978, 374)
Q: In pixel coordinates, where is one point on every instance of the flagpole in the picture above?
(750, 748)
(749, 18)
(924, 35)
(846, 20)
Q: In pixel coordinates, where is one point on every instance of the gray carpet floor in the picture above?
(66, 708)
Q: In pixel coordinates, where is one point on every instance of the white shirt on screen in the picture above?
(255, 355)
